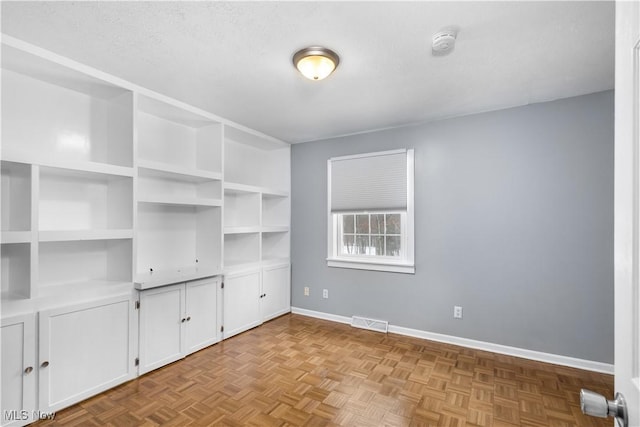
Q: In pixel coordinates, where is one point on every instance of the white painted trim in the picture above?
(331, 222)
(371, 265)
(539, 356)
(507, 350)
(410, 230)
(276, 314)
(320, 315)
(375, 154)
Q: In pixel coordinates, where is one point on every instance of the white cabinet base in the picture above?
(18, 370)
(84, 350)
(276, 291)
(255, 296)
(160, 326)
(202, 308)
(241, 302)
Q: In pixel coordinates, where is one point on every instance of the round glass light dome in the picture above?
(315, 63)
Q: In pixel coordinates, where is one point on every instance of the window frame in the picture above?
(402, 264)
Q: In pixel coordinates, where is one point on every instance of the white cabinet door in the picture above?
(18, 370)
(276, 292)
(84, 350)
(241, 302)
(161, 326)
(201, 311)
(177, 320)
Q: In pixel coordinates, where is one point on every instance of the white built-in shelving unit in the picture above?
(256, 229)
(110, 190)
(256, 200)
(67, 181)
(179, 194)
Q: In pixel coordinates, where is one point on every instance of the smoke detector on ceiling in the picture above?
(443, 42)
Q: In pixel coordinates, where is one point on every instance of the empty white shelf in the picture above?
(241, 230)
(71, 235)
(16, 236)
(234, 187)
(155, 279)
(275, 229)
(179, 172)
(240, 265)
(177, 200)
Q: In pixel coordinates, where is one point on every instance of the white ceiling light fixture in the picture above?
(443, 42)
(316, 63)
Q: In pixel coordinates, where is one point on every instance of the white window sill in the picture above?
(371, 265)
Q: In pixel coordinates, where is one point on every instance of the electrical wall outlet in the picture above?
(457, 312)
(306, 291)
(325, 293)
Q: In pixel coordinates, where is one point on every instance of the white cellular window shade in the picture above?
(370, 183)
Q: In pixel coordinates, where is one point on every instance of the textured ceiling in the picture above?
(234, 58)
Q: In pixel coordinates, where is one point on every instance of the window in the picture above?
(374, 234)
(370, 223)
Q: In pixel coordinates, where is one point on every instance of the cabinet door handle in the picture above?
(44, 364)
(188, 318)
(28, 369)
(183, 320)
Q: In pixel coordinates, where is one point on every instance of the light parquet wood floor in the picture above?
(301, 371)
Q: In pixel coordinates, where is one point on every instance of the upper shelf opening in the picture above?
(51, 72)
(254, 139)
(173, 113)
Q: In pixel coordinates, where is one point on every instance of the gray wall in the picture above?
(514, 222)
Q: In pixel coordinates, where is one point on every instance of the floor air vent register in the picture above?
(370, 324)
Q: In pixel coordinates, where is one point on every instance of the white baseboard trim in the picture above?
(321, 315)
(539, 356)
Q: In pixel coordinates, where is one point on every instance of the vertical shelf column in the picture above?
(19, 185)
(258, 165)
(179, 194)
(257, 229)
(35, 220)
